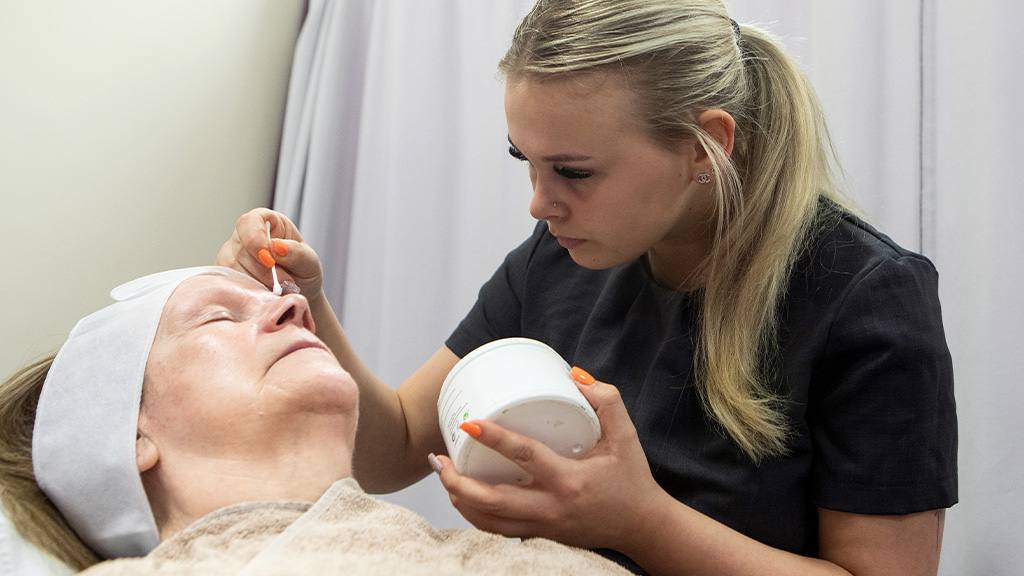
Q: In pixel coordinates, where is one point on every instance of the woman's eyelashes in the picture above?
(562, 171)
(515, 153)
(570, 173)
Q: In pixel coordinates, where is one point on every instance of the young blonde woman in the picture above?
(775, 390)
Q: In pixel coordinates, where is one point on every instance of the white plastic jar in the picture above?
(524, 386)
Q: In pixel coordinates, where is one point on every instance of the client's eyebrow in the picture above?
(556, 158)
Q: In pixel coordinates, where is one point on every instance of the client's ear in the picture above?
(146, 452)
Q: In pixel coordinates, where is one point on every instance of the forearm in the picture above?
(382, 460)
(674, 539)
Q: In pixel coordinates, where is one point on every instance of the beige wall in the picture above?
(132, 135)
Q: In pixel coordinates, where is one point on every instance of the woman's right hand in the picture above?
(296, 260)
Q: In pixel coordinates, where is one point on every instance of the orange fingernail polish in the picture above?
(266, 258)
(472, 429)
(280, 247)
(582, 376)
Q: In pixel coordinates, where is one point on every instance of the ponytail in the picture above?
(783, 166)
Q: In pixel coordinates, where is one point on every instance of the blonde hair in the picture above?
(29, 510)
(681, 58)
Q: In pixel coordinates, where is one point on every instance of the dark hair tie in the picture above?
(735, 29)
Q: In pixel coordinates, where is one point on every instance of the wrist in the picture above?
(318, 302)
(648, 524)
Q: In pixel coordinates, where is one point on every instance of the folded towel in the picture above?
(347, 532)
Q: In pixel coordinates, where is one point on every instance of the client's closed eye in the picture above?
(217, 317)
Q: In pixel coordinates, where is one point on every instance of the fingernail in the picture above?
(582, 376)
(434, 463)
(471, 428)
(266, 258)
(280, 247)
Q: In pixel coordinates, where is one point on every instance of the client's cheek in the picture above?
(177, 383)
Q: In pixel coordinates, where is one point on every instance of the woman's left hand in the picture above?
(598, 501)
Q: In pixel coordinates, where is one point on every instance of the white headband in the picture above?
(83, 443)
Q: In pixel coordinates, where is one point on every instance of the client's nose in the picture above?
(291, 309)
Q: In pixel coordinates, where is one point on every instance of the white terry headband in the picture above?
(83, 443)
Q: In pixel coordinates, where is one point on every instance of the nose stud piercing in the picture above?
(554, 204)
(704, 178)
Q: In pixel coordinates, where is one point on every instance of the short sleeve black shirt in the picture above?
(864, 366)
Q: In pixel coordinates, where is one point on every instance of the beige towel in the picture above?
(347, 532)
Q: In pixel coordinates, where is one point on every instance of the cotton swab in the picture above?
(273, 269)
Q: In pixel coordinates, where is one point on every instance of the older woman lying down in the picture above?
(198, 425)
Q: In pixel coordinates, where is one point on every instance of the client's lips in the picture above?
(303, 345)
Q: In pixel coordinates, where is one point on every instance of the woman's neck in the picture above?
(679, 268)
